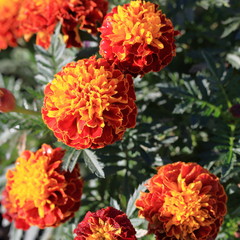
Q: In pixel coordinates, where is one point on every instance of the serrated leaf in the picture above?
(137, 221)
(74, 160)
(234, 60)
(91, 160)
(114, 203)
(67, 159)
(47, 233)
(131, 202)
(228, 165)
(31, 233)
(40, 50)
(211, 64)
(14, 233)
(230, 28)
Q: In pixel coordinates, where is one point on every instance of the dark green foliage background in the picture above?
(183, 113)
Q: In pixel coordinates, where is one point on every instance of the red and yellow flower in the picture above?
(39, 17)
(81, 14)
(138, 38)
(7, 100)
(185, 201)
(38, 192)
(107, 223)
(89, 104)
(9, 30)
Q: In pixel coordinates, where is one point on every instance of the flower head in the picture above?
(9, 30)
(83, 15)
(89, 104)
(184, 201)
(138, 38)
(107, 223)
(38, 192)
(39, 17)
(7, 100)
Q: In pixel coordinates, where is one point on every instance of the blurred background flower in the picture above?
(29, 17)
(9, 30)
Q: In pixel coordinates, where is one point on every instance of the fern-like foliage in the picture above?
(51, 61)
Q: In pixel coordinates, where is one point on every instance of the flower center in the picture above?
(138, 23)
(104, 231)
(82, 91)
(186, 208)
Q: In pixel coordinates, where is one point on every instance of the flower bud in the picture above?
(235, 110)
(7, 100)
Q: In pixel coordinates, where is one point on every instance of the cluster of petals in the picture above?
(89, 104)
(81, 14)
(38, 192)
(185, 201)
(9, 30)
(138, 38)
(107, 223)
(41, 17)
(7, 100)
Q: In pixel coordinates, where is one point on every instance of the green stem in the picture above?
(19, 109)
(229, 104)
(231, 143)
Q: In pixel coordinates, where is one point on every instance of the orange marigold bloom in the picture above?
(81, 14)
(138, 38)
(185, 201)
(89, 104)
(107, 223)
(38, 192)
(40, 17)
(7, 100)
(9, 30)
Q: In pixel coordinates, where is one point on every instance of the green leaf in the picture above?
(74, 160)
(91, 160)
(51, 60)
(70, 159)
(137, 221)
(234, 60)
(228, 166)
(14, 233)
(233, 24)
(131, 202)
(114, 203)
(211, 64)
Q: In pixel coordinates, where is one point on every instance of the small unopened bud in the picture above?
(7, 100)
(235, 110)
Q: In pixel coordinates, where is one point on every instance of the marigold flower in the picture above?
(138, 38)
(7, 100)
(185, 201)
(107, 223)
(9, 30)
(40, 17)
(38, 192)
(89, 104)
(83, 15)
